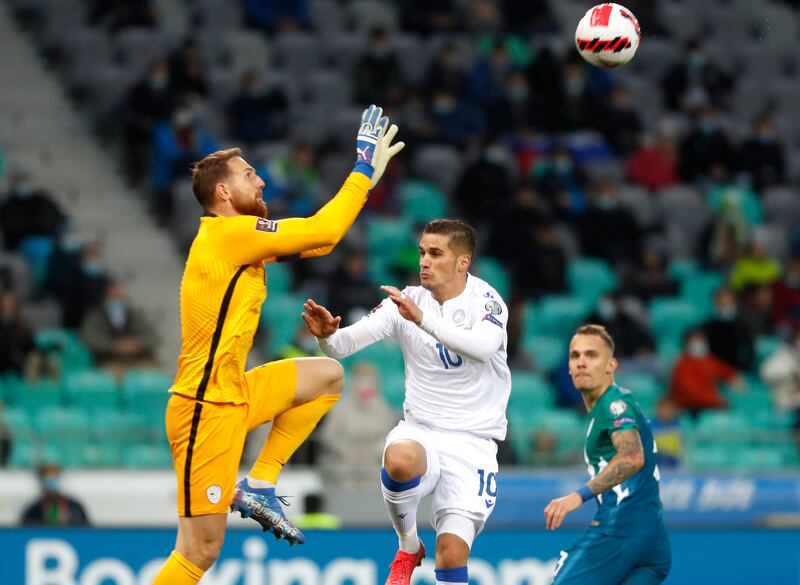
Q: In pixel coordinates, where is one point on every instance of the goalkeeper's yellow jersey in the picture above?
(224, 286)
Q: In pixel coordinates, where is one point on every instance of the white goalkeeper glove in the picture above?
(384, 151)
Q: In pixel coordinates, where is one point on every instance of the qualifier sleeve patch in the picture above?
(266, 225)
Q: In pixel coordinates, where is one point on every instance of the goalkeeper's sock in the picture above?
(402, 499)
(289, 430)
(452, 576)
(178, 571)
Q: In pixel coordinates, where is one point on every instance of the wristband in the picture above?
(585, 493)
(364, 168)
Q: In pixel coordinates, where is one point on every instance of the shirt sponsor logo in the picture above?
(491, 319)
(266, 225)
(622, 421)
(618, 407)
(494, 307)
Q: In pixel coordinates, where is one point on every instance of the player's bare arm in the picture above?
(628, 460)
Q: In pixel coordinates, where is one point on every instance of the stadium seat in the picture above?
(545, 351)
(422, 201)
(34, 397)
(279, 278)
(765, 346)
(699, 290)
(92, 390)
(155, 456)
(706, 458)
(280, 318)
(671, 317)
(589, 278)
(393, 386)
(146, 391)
(683, 268)
(531, 390)
(556, 315)
(490, 270)
(386, 236)
(438, 163)
(100, 455)
(640, 384)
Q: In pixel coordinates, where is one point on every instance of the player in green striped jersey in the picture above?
(626, 542)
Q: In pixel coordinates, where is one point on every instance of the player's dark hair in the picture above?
(462, 235)
(597, 331)
(207, 173)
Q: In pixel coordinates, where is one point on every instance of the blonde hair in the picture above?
(597, 331)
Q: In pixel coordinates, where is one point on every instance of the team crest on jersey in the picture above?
(214, 494)
(458, 316)
(618, 407)
(266, 225)
(494, 307)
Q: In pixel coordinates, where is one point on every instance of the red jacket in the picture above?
(694, 382)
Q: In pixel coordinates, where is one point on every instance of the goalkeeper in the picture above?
(214, 401)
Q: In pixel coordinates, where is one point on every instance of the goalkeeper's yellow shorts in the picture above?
(207, 438)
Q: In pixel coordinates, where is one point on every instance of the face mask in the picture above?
(51, 483)
(159, 82)
(92, 268)
(574, 86)
(793, 281)
(443, 105)
(697, 60)
(495, 154)
(726, 314)
(606, 309)
(697, 348)
(563, 164)
(518, 93)
(24, 191)
(365, 389)
(115, 307)
(606, 203)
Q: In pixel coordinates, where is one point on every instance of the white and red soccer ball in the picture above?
(608, 35)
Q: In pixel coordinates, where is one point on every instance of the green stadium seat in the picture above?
(531, 389)
(671, 317)
(156, 456)
(73, 354)
(699, 290)
(19, 421)
(641, 385)
(490, 270)
(765, 346)
(146, 391)
(422, 201)
(92, 390)
(589, 278)
(681, 269)
(755, 459)
(545, 351)
(63, 432)
(119, 427)
(557, 315)
(387, 236)
(98, 455)
(34, 397)
(279, 278)
(393, 387)
(24, 453)
(280, 319)
(706, 457)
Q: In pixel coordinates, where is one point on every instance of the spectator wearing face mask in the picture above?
(762, 155)
(354, 431)
(782, 372)
(607, 229)
(53, 508)
(695, 379)
(631, 339)
(28, 211)
(118, 334)
(728, 336)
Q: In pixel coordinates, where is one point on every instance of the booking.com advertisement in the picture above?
(361, 557)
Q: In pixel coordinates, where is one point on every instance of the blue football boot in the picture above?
(263, 506)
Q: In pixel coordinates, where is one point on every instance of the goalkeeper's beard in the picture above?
(255, 206)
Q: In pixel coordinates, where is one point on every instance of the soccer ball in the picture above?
(608, 35)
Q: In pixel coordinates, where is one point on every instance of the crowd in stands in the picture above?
(667, 181)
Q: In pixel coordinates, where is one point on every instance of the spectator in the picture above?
(483, 183)
(782, 372)
(16, 337)
(695, 379)
(147, 103)
(428, 16)
(118, 335)
(292, 182)
(619, 121)
(176, 145)
(532, 16)
(258, 113)
(6, 438)
(377, 70)
(352, 293)
(560, 181)
(649, 276)
(755, 268)
(723, 240)
(786, 298)
(455, 119)
(447, 69)
(695, 81)
(728, 336)
(314, 515)
(607, 230)
(28, 211)
(734, 199)
(487, 80)
(78, 279)
(631, 339)
(756, 308)
(575, 110)
(274, 17)
(655, 163)
(667, 434)
(544, 75)
(544, 449)
(354, 431)
(187, 71)
(540, 265)
(762, 156)
(705, 146)
(53, 508)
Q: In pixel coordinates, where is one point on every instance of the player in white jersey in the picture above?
(452, 331)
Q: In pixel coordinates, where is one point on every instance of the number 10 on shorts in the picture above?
(487, 482)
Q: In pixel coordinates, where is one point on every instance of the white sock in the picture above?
(402, 507)
(259, 484)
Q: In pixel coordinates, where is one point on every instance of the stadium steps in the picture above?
(42, 133)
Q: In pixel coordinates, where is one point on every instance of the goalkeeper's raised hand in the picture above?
(374, 142)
